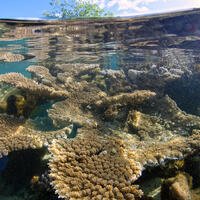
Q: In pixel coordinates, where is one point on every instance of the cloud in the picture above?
(135, 7)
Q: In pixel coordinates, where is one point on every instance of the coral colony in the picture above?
(119, 134)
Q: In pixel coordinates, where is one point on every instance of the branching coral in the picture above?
(19, 81)
(16, 135)
(154, 153)
(40, 72)
(12, 138)
(42, 75)
(92, 167)
(96, 167)
(121, 134)
(161, 119)
(77, 70)
(135, 98)
(10, 57)
(65, 113)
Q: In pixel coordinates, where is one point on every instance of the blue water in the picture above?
(20, 67)
(5, 43)
(112, 61)
(19, 47)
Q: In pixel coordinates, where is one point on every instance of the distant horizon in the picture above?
(34, 9)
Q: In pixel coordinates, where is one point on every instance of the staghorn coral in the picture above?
(92, 167)
(19, 81)
(110, 81)
(121, 135)
(40, 72)
(77, 70)
(65, 113)
(8, 124)
(11, 137)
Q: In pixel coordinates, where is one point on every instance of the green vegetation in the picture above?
(69, 9)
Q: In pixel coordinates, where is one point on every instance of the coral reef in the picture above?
(135, 98)
(88, 164)
(42, 75)
(161, 119)
(17, 135)
(121, 131)
(10, 57)
(92, 167)
(27, 85)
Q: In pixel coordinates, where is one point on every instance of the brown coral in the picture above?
(65, 113)
(19, 81)
(85, 166)
(10, 57)
(17, 135)
(97, 166)
(135, 98)
(161, 119)
(92, 167)
(77, 70)
(42, 75)
(154, 153)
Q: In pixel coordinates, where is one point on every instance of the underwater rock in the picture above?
(11, 57)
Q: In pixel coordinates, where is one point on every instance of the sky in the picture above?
(36, 8)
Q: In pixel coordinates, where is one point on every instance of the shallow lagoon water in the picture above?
(157, 53)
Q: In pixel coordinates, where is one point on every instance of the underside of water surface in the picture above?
(100, 109)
